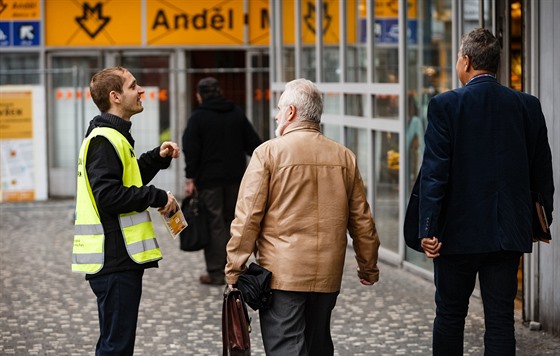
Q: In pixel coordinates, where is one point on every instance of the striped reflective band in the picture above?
(87, 258)
(93, 229)
(126, 221)
(135, 219)
(142, 246)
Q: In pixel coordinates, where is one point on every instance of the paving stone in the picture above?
(45, 309)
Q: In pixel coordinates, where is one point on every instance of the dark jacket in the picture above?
(104, 169)
(216, 143)
(486, 149)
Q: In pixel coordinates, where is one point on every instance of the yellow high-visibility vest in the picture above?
(89, 239)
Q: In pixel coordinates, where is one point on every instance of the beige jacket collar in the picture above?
(302, 125)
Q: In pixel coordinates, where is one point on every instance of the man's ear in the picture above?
(292, 110)
(115, 97)
(468, 63)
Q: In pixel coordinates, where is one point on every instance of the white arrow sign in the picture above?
(26, 32)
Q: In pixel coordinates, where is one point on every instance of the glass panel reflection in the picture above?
(331, 103)
(332, 132)
(355, 105)
(386, 106)
(19, 68)
(386, 209)
(357, 140)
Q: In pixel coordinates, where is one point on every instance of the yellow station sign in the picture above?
(93, 23)
(195, 22)
(13, 10)
(389, 9)
(259, 22)
(330, 23)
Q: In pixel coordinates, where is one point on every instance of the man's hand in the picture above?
(169, 149)
(431, 246)
(365, 282)
(171, 205)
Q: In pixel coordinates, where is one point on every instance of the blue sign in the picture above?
(19, 33)
(387, 31)
(5, 34)
(26, 33)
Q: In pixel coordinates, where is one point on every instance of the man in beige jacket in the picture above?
(299, 196)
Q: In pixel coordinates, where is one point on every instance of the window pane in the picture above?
(356, 140)
(386, 106)
(308, 64)
(331, 103)
(289, 64)
(387, 189)
(19, 68)
(331, 65)
(355, 51)
(355, 105)
(72, 109)
(332, 132)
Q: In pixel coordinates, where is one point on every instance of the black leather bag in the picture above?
(254, 283)
(236, 324)
(195, 236)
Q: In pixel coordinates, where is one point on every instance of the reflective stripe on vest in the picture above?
(137, 229)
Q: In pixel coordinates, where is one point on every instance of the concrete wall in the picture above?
(549, 93)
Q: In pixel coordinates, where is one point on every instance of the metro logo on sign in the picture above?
(331, 21)
(93, 22)
(195, 22)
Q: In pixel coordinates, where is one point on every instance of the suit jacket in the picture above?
(486, 149)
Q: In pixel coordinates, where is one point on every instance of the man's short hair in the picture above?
(483, 48)
(208, 87)
(104, 82)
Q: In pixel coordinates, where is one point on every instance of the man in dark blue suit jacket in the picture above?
(486, 148)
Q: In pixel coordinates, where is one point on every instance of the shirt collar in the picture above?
(481, 76)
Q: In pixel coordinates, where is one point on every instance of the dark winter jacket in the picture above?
(105, 171)
(216, 143)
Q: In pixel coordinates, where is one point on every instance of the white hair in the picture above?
(306, 97)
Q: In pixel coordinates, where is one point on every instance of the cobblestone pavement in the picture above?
(47, 310)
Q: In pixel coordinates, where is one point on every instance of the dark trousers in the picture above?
(298, 324)
(220, 203)
(455, 277)
(118, 300)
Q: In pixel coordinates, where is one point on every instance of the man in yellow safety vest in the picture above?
(114, 241)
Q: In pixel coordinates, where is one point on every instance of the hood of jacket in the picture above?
(217, 103)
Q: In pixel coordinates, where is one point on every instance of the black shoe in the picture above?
(206, 279)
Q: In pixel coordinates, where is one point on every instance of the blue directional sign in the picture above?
(20, 33)
(5, 33)
(26, 33)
